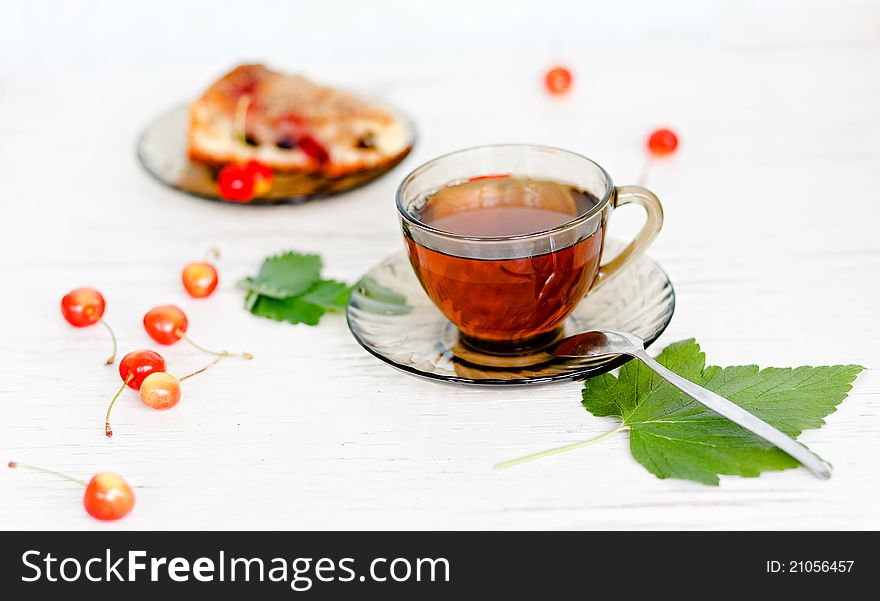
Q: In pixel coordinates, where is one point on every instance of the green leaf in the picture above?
(289, 288)
(373, 297)
(293, 310)
(674, 436)
(328, 294)
(370, 288)
(285, 275)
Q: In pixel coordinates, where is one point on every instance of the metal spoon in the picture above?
(610, 343)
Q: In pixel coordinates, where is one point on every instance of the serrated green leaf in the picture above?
(610, 396)
(674, 436)
(293, 310)
(285, 275)
(289, 288)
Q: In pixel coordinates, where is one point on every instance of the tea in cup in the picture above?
(507, 240)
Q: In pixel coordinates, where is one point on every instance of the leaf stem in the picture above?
(557, 450)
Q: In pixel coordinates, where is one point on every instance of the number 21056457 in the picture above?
(809, 567)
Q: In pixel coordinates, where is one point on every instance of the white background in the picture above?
(770, 239)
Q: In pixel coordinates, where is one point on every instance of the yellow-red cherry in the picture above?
(107, 495)
(137, 365)
(262, 175)
(166, 324)
(160, 390)
(558, 80)
(83, 307)
(199, 279)
(662, 142)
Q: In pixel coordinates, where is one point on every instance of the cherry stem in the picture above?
(205, 368)
(113, 337)
(107, 429)
(213, 254)
(15, 464)
(220, 354)
(557, 450)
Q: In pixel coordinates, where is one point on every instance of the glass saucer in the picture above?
(392, 317)
(161, 150)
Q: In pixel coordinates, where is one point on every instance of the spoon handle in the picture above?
(738, 415)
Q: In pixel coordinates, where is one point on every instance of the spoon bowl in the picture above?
(596, 345)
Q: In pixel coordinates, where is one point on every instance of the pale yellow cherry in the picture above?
(160, 390)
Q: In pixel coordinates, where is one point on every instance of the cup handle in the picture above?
(653, 222)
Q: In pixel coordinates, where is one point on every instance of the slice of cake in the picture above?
(292, 125)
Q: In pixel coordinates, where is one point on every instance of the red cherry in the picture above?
(107, 497)
(199, 279)
(262, 176)
(134, 368)
(236, 183)
(82, 307)
(137, 365)
(662, 142)
(160, 391)
(558, 80)
(313, 149)
(165, 324)
(85, 307)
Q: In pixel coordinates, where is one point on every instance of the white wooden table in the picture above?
(771, 241)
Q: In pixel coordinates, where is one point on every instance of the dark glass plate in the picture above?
(161, 149)
(392, 317)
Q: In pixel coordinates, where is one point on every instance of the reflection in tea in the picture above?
(510, 302)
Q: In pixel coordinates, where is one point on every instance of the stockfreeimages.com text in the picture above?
(300, 572)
